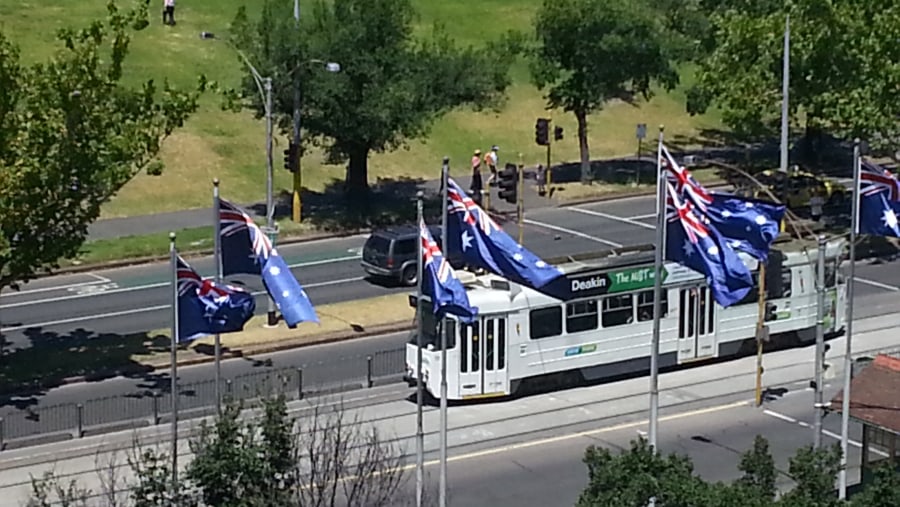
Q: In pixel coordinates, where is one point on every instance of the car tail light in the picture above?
(390, 262)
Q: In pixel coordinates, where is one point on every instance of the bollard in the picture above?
(155, 409)
(369, 371)
(79, 432)
(299, 383)
(2, 433)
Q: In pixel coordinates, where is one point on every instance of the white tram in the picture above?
(601, 325)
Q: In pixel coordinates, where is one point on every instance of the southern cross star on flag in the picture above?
(245, 249)
(692, 243)
(482, 243)
(879, 201)
(440, 283)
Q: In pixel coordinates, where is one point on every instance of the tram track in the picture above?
(509, 421)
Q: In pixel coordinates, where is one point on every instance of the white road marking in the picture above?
(148, 286)
(46, 289)
(149, 308)
(804, 424)
(102, 279)
(880, 285)
(642, 217)
(607, 216)
(573, 233)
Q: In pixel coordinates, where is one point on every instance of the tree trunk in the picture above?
(586, 175)
(358, 172)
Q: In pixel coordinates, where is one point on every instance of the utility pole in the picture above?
(217, 258)
(785, 81)
(297, 204)
(820, 343)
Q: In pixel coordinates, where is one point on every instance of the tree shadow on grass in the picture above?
(389, 201)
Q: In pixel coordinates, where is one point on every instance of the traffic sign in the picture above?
(641, 131)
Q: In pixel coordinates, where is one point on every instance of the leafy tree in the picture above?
(638, 474)
(759, 471)
(884, 491)
(71, 135)
(593, 51)
(391, 87)
(814, 471)
(843, 74)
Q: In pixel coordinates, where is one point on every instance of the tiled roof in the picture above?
(875, 394)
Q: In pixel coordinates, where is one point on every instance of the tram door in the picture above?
(482, 357)
(696, 323)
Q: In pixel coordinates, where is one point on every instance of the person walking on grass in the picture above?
(169, 12)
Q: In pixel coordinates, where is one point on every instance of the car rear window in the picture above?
(378, 244)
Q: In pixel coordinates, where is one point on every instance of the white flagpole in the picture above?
(442, 492)
(217, 259)
(420, 433)
(657, 290)
(848, 352)
(173, 259)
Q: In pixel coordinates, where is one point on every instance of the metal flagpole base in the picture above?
(271, 315)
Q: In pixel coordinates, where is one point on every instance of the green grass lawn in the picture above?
(231, 146)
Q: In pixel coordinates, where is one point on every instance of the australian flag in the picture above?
(482, 243)
(440, 283)
(879, 201)
(245, 249)
(748, 225)
(692, 243)
(205, 308)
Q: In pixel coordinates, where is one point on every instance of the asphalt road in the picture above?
(526, 451)
(136, 299)
(552, 474)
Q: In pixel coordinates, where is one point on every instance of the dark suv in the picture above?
(391, 253)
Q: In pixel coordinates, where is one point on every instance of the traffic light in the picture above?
(542, 132)
(557, 133)
(290, 158)
(509, 184)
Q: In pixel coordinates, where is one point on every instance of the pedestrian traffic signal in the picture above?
(509, 184)
(290, 158)
(542, 132)
(557, 133)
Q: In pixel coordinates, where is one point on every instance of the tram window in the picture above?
(829, 275)
(450, 326)
(645, 305)
(785, 284)
(710, 310)
(464, 348)
(476, 346)
(581, 316)
(682, 309)
(489, 344)
(752, 297)
(501, 344)
(618, 310)
(545, 322)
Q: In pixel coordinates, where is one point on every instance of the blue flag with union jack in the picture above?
(440, 283)
(245, 249)
(205, 308)
(879, 201)
(692, 243)
(749, 225)
(482, 243)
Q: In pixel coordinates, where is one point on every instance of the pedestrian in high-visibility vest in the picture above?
(490, 160)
